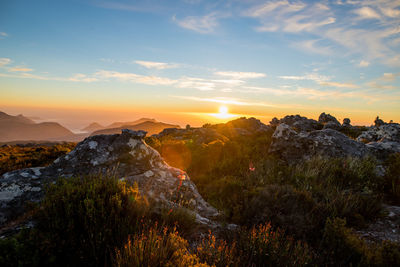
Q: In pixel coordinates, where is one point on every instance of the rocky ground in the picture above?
(128, 157)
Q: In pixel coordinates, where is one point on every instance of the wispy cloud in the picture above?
(313, 47)
(224, 100)
(340, 85)
(363, 63)
(196, 83)
(156, 65)
(240, 75)
(21, 69)
(335, 30)
(3, 35)
(79, 77)
(4, 61)
(201, 24)
(367, 13)
(311, 76)
(132, 77)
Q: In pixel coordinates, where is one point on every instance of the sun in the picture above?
(223, 113)
(223, 110)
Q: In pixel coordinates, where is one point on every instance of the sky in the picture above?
(180, 61)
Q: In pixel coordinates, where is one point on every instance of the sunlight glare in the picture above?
(223, 113)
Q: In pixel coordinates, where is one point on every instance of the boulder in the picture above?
(300, 123)
(125, 156)
(332, 125)
(382, 140)
(346, 122)
(378, 122)
(293, 146)
(384, 132)
(325, 118)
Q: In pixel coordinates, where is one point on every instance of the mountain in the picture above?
(5, 118)
(151, 127)
(21, 128)
(92, 127)
(120, 124)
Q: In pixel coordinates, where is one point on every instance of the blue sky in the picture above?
(180, 60)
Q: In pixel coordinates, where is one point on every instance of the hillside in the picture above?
(296, 192)
(92, 127)
(151, 127)
(120, 124)
(21, 128)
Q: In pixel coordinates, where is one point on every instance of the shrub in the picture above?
(83, 219)
(392, 178)
(154, 247)
(264, 247)
(342, 247)
(217, 252)
(18, 157)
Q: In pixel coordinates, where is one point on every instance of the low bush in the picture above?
(156, 247)
(18, 157)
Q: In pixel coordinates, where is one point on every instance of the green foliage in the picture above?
(83, 219)
(353, 131)
(18, 157)
(344, 248)
(392, 178)
(155, 247)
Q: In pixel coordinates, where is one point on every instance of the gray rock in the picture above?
(332, 125)
(382, 140)
(125, 156)
(346, 122)
(293, 146)
(385, 228)
(378, 122)
(384, 132)
(325, 118)
(300, 123)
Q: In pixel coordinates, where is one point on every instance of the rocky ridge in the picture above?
(126, 156)
(297, 138)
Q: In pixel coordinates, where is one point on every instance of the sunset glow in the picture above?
(223, 113)
(122, 60)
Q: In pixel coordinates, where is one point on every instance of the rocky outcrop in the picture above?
(126, 156)
(293, 146)
(297, 138)
(382, 139)
(385, 228)
(325, 118)
(298, 122)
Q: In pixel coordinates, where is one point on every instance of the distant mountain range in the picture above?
(21, 128)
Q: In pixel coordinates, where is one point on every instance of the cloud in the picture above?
(196, 83)
(340, 85)
(336, 31)
(132, 77)
(201, 24)
(224, 100)
(79, 77)
(3, 35)
(363, 63)
(240, 75)
(156, 65)
(21, 69)
(375, 85)
(291, 17)
(310, 46)
(311, 76)
(4, 61)
(367, 13)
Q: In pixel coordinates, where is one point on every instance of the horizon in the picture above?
(79, 62)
